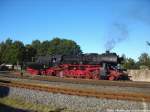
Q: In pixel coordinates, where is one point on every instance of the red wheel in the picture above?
(111, 78)
(94, 77)
(87, 77)
(60, 74)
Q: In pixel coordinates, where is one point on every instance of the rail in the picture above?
(78, 92)
(81, 81)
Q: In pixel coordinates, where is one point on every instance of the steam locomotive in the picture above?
(104, 66)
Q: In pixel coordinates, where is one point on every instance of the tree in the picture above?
(44, 47)
(8, 42)
(5, 46)
(29, 53)
(36, 44)
(144, 59)
(129, 63)
(19, 50)
(15, 53)
(12, 52)
(1, 52)
(2, 47)
(64, 47)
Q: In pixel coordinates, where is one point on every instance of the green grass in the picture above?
(14, 104)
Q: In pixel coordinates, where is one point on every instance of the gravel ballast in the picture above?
(75, 103)
(114, 89)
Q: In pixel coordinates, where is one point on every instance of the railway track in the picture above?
(79, 81)
(78, 92)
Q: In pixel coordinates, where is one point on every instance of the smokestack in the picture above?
(107, 51)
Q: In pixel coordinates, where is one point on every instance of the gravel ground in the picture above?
(75, 103)
(86, 86)
(78, 103)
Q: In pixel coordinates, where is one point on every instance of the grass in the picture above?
(16, 105)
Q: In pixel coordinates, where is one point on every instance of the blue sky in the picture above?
(96, 25)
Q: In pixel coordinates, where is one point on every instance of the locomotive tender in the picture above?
(89, 66)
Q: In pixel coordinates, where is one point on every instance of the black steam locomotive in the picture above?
(90, 66)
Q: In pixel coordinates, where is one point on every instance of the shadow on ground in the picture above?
(4, 91)
(6, 108)
(58, 110)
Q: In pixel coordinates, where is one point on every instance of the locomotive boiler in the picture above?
(104, 66)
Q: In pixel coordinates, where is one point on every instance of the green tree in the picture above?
(5, 46)
(44, 47)
(13, 52)
(64, 47)
(129, 63)
(36, 44)
(1, 51)
(8, 42)
(19, 51)
(144, 59)
(30, 52)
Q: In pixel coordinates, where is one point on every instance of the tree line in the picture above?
(143, 62)
(16, 52)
